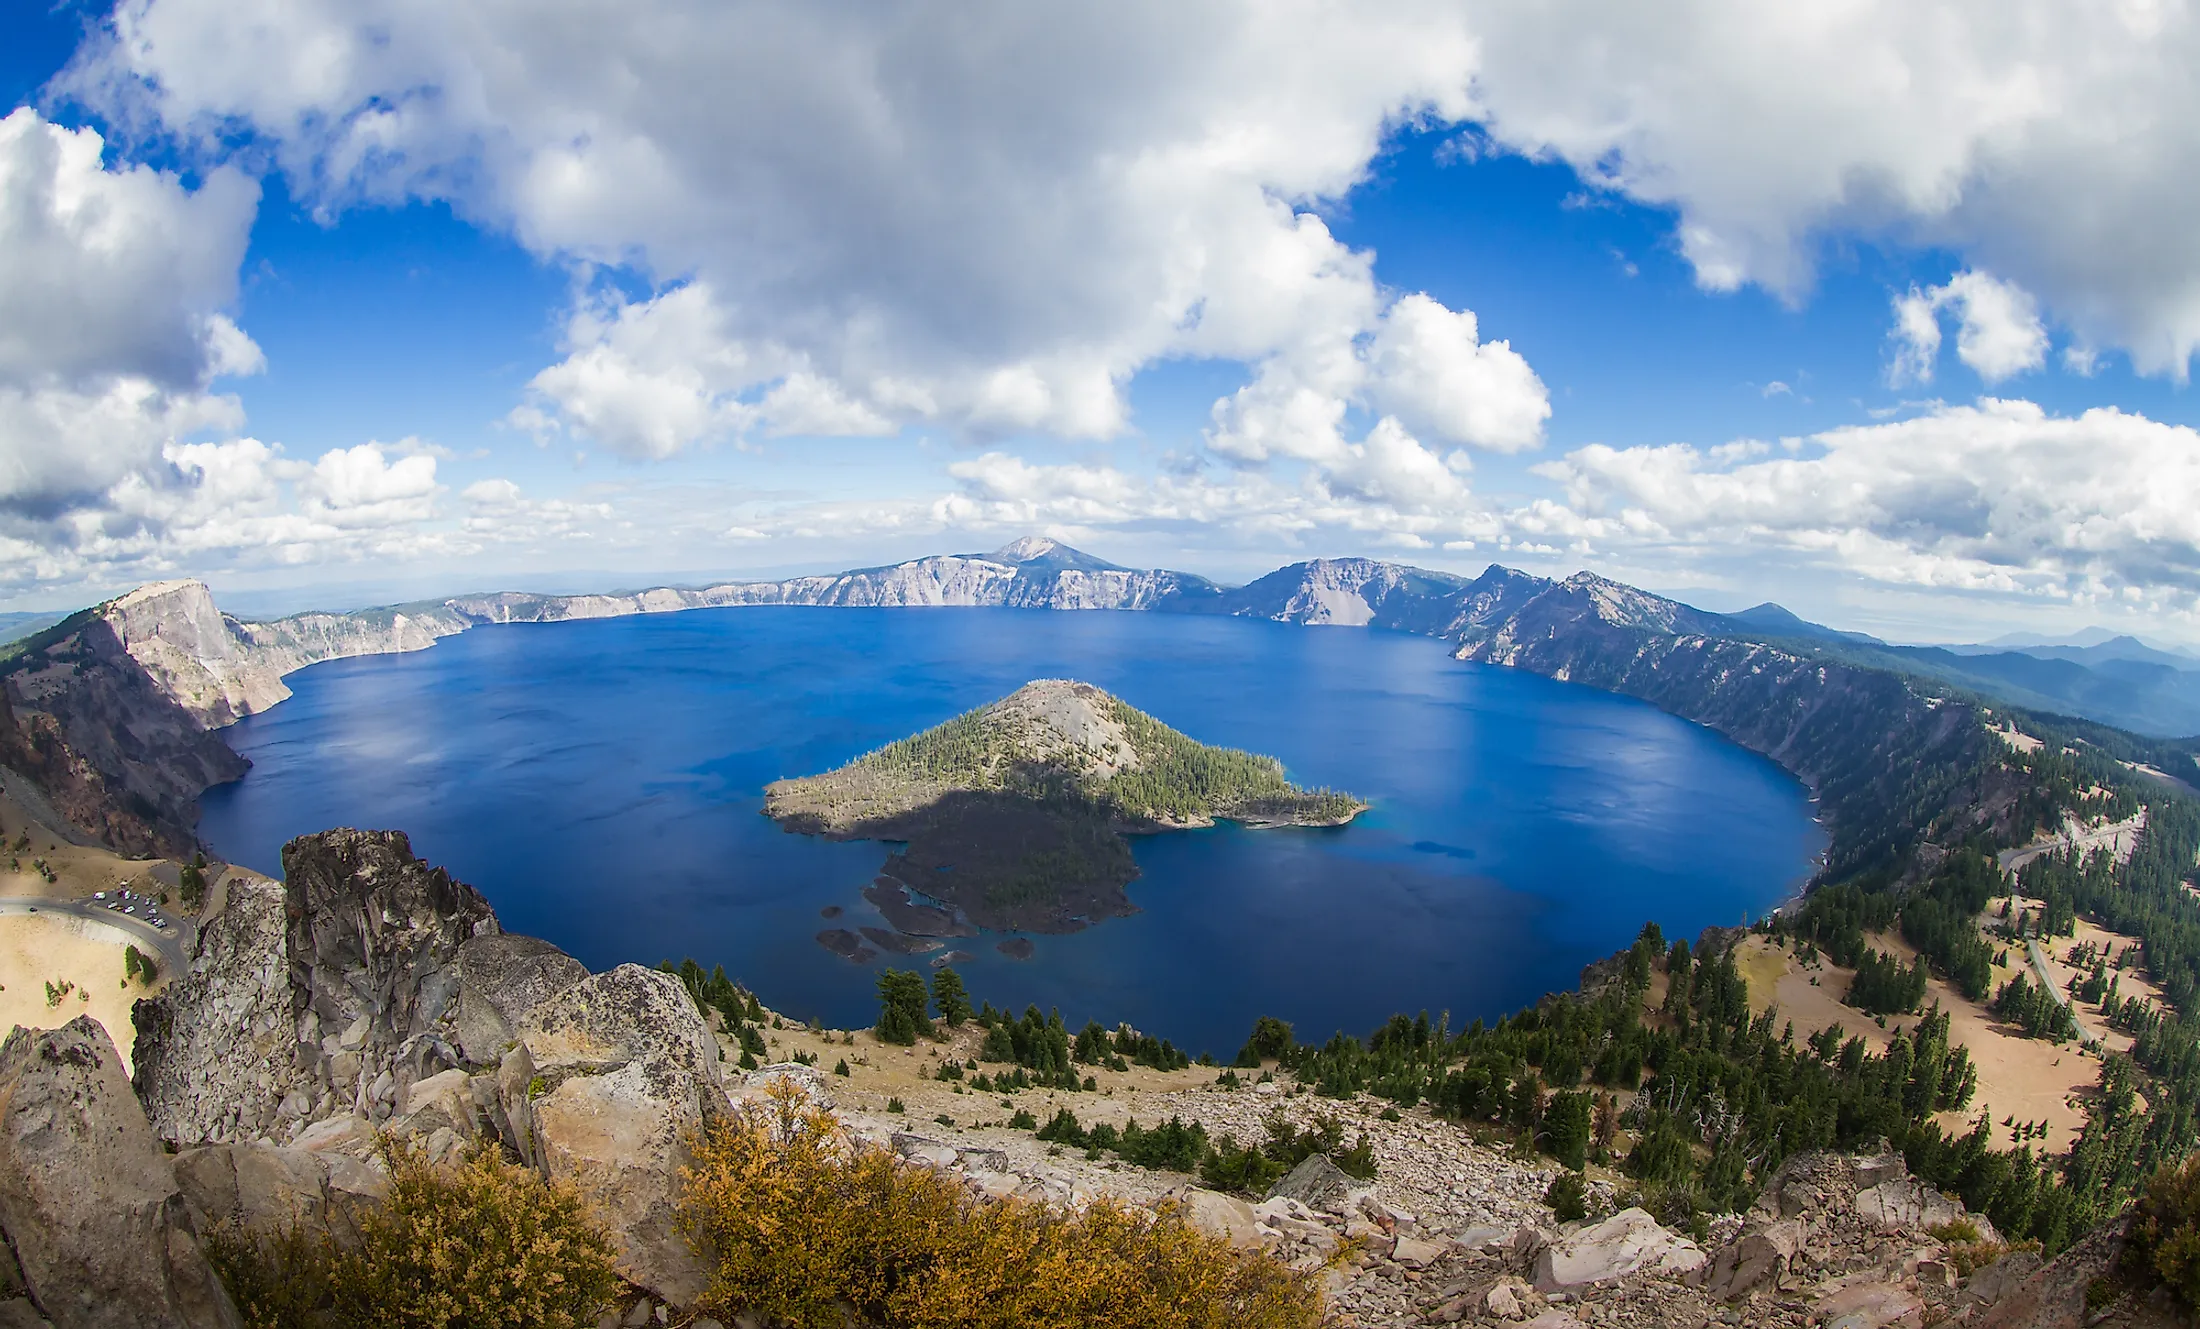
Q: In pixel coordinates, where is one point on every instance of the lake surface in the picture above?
(601, 782)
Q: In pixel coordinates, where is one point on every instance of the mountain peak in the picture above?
(1023, 549)
(1047, 554)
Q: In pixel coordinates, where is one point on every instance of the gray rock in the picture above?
(335, 988)
(1628, 1241)
(1905, 1203)
(1755, 1259)
(1315, 1182)
(611, 1079)
(269, 1189)
(88, 1203)
(501, 979)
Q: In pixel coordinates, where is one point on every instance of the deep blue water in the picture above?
(601, 782)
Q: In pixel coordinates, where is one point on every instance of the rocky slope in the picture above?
(603, 1079)
(106, 745)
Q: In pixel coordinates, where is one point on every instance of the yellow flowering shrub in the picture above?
(485, 1244)
(807, 1227)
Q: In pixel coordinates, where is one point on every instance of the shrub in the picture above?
(487, 1244)
(804, 1225)
(2165, 1230)
(278, 1279)
(1568, 1196)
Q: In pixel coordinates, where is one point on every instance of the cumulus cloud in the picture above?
(985, 217)
(1998, 329)
(2054, 144)
(1998, 496)
(113, 283)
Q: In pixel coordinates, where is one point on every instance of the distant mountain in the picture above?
(1876, 730)
(1779, 621)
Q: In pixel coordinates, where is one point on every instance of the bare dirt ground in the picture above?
(37, 949)
(2025, 1078)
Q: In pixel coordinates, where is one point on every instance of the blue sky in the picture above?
(491, 302)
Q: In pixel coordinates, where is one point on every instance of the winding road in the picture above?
(168, 942)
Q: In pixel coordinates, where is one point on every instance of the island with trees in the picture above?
(1014, 816)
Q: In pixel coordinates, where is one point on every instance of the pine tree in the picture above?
(949, 997)
(901, 1016)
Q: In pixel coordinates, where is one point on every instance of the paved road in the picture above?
(169, 942)
(2039, 964)
(2112, 837)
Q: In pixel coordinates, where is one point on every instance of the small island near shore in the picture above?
(1012, 817)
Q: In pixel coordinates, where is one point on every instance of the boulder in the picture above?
(1905, 1202)
(1414, 1253)
(809, 1081)
(1316, 1183)
(1755, 1259)
(501, 980)
(269, 1188)
(88, 1203)
(917, 1149)
(1869, 1306)
(1989, 1285)
(608, 1083)
(1628, 1241)
(1220, 1215)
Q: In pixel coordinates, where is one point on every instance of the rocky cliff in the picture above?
(332, 992)
(106, 743)
(1885, 758)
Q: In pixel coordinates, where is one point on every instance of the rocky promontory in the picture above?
(1015, 813)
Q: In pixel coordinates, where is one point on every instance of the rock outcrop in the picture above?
(96, 1227)
(502, 978)
(1628, 1242)
(264, 1187)
(107, 746)
(608, 1083)
(333, 992)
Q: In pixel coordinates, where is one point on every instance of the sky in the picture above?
(1883, 310)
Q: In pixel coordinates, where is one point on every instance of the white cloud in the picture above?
(1427, 368)
(987, 217)
(2056, 144)
(111, 289)
(1999, 496)
(1998, 328)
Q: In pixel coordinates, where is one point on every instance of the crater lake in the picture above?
(602, 782)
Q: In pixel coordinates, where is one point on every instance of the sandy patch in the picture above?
(2025, 1078)
(37, 949)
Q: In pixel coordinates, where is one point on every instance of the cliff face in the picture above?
(106, 741)
(1347, 592)
(1883, 759)
(330, 993)
(220, 669)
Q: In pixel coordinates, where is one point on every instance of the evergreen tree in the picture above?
(949, 997)
(901, 1016)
